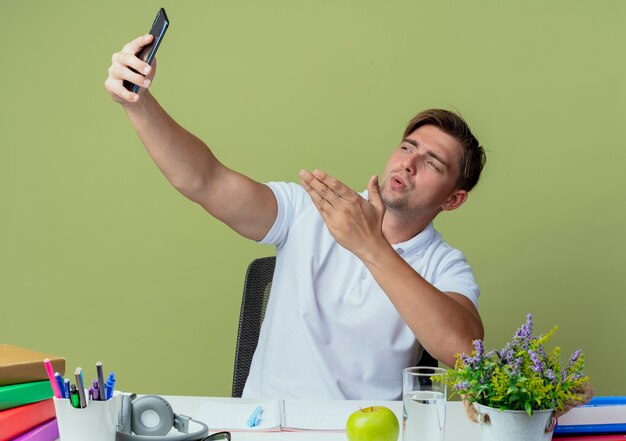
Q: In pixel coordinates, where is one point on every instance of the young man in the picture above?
(362, 281)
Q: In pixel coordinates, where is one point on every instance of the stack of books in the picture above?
(602, 419)
(26, 405)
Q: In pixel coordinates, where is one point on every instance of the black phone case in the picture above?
(159, 26)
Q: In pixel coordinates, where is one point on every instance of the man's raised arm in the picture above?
(245, 205)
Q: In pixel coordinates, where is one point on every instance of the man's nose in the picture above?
(409, 164)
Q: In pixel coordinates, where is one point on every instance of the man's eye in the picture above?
(433, 165)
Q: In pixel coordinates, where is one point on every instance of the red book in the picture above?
(18, 420)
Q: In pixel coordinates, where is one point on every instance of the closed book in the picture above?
(46, 432)
(18, 420)
(602, 415)
(14, 395)
(19, 365)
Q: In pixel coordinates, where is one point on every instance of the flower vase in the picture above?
(515, 425)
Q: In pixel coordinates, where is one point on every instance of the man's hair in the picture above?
(472, 159)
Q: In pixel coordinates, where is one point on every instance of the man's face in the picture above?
(421, 174)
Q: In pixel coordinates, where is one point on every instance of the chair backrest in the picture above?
(427, 360)
(256, 292)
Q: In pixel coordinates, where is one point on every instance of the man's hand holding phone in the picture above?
(134, 66)
(125, 67)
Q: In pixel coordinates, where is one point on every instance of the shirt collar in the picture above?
(418, 243)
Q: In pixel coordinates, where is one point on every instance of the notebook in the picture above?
(284, 415)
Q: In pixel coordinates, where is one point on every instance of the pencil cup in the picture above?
(96, 422)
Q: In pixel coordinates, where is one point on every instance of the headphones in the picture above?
(150, 418)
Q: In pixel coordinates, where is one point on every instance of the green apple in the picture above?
(375, 423)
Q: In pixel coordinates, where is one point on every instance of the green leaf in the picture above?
(528, 407)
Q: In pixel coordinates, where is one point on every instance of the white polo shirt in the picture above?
(330, 332)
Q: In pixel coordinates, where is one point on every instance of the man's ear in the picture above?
(455, 200)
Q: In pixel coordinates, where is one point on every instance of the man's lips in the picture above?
(397, 182)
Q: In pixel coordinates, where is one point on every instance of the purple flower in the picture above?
(541, 352)
(524, 334)
(574, 358)
(507, 354)
(462, 386)
(472, 362)
(551, 376)
(516, 365)
(467, 359)
(537, 364)
(479, 347)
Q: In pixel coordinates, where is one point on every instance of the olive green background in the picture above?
(100, 259)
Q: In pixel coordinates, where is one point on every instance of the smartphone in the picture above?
(159, 26)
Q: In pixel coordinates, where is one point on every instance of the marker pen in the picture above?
(74, 398)
(96, 390)
(66, 392)
(110, 386)
(60, 384)
(53, 382)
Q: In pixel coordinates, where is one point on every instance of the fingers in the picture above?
(323, 189)
(118, 92)
(373, 191)
(121, 61)
(316, 190)
(326, 186)
(137, 44)
(125, 66)
(335, 185)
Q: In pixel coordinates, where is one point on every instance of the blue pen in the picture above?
(254, 418)
(67, 388)
(60, 383)
(110, 386)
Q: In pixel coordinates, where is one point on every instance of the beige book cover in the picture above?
(20, 365)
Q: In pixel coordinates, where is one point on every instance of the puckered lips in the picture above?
(398, 182)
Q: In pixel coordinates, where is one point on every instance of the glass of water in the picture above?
(424, 400)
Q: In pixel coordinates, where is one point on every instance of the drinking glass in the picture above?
(424, 402)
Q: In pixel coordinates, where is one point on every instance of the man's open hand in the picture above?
(354, 222)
